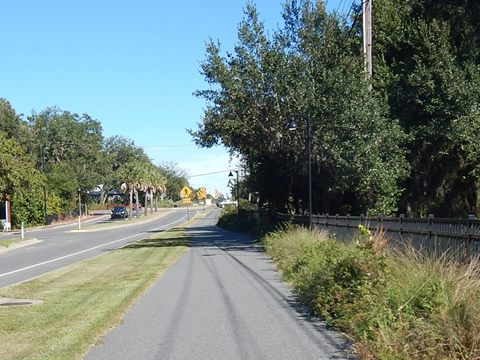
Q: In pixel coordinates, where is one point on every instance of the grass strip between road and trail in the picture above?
(83, 300)
(8, 242)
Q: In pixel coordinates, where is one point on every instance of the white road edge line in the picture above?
(86, 250)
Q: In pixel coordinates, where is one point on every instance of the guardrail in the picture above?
(436, 236)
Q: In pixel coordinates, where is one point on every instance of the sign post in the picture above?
(202, 195)
(185, 195)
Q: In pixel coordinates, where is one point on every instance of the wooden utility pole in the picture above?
(367, 37)
(8, 214)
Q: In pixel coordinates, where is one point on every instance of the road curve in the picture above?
(221, 300)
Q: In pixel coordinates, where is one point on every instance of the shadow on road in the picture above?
(212, 236)
(234, 245)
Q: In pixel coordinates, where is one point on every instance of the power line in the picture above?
(355, 19)
(343, 7)
(165, 146)
(338, 6)
(350, 9)
(211, 173)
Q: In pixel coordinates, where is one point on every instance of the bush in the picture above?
(27, 207)
(244, 221)
(336, 280)
(395, 305)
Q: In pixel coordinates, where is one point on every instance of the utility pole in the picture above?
(367, 38)
(45, 218)
(79, 208)
(8, 214)
(309, 155)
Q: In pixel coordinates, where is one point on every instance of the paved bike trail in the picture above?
(221, 300)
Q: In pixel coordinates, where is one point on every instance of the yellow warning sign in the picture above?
(202, 193)
(185, 192)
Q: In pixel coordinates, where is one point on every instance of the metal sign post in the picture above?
(185, 195)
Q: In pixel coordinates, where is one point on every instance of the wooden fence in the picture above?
(435, 236)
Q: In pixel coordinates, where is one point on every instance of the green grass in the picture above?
(83, 300)
(393, 305)
(8, 242)
(12, 241)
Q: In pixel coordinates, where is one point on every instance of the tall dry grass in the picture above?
(394, 304)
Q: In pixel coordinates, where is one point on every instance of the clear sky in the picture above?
(132, 65)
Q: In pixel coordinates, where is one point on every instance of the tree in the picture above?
(69, 148)
(118, 151)
(152, 181)
(19, 177)
(426, 60)
(12, 125)
(308, 69)
(70, 151)
(175, 180)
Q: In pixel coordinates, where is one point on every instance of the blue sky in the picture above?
(132, 65)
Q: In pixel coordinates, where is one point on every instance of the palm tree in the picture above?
(129, 177)
(158, 187)
(154, 182)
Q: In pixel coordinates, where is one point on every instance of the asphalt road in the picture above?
(221, 300)
(60, 246)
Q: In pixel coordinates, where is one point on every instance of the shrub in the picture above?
(244, 221)
(338, 281)
(395, 305)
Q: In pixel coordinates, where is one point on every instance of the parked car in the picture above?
(119, 212)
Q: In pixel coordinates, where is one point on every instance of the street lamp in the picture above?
(292, 126)
(230, 175)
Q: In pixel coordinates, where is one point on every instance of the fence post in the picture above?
(326, 220)
(469, 235)
(430, 218)
(400, 220)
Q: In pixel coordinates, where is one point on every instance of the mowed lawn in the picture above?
(83, 300)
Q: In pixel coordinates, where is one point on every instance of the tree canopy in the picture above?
(404, 142)
(52, 155)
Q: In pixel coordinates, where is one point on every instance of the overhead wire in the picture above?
(210, 173)
(340, 5)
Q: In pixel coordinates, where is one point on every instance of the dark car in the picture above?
(119, 212)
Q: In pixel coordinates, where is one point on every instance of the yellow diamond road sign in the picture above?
(202, 193)
(185, 192)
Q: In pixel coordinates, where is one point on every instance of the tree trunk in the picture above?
(136, 202)
(103, 197)
(146, 203)
(151, 201)
(130, 205)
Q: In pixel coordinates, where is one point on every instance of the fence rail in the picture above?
(435, 236)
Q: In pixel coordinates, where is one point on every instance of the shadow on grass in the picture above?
(160, 243)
